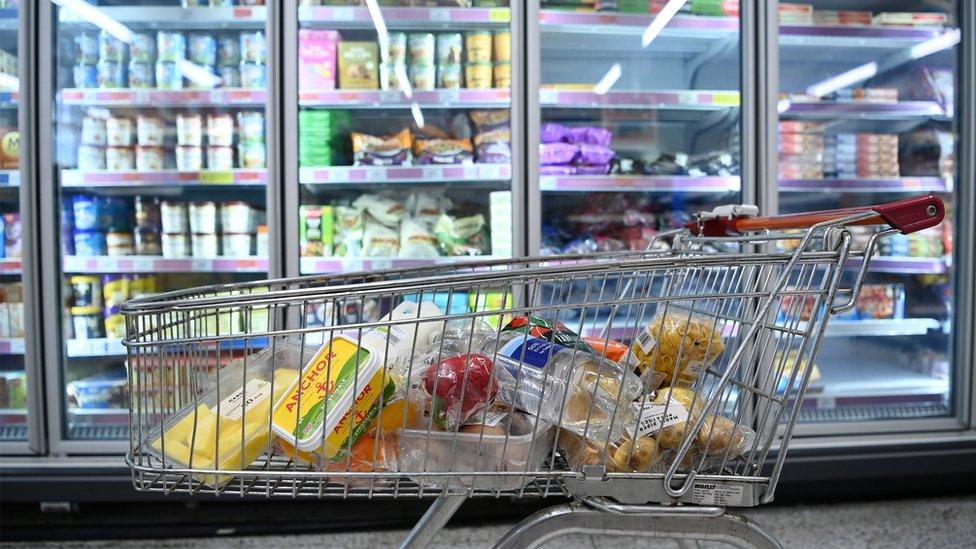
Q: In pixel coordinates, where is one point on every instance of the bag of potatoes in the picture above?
(677, 346)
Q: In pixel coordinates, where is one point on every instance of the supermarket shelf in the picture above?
(11, 345)
(620, 183)
(9, 98)
(9, 178)
(404, 18)
(897, 184)
(904, 265)
(865, 110)
(387, 99)
(405, 174)
(163, 17)
(77, 348)
(325, 265)
(135, 178)
(111, 412)
(871, 380)
(10, 266)
(856, 44)
(149, 264)
(676, 100)
(128, 97)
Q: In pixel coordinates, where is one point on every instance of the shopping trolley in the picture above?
(656, 388)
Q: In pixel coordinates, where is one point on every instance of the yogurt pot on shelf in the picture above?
(203, 217)
(176, 245)
(201, 49)
(150, 158)
(141, 75)
(251, 155)
(142, 49)
(230, 77)
(189, 129)
(220, 158)
(150, 131)
(228, 50)
(236, 244)
(91, 157)
(205, 245)
(87, 322)
(238, 217)
(189, 158)
(111, 74)
(169, 76)
(253, 75)
(220, 130)
(119, 131)
(170, 46)
(119, 158)
(253, 47)
(93, 130)
(174, 217)
(85, 76)
(250, 127)
(89, 243)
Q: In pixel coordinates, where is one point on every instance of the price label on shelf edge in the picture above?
(209, 177)
(499, 15)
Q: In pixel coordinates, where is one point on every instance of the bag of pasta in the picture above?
(678, 345)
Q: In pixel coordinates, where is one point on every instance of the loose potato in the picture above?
(635, 455)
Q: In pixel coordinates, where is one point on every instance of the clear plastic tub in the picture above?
(524, 449)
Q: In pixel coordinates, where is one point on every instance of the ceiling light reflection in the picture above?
(660, 21)
(608, 80)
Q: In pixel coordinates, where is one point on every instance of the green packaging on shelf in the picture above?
(315, 230)
(715, 7)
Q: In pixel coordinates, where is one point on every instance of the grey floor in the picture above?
(922, 523)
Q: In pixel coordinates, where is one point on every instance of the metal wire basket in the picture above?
(667, 376)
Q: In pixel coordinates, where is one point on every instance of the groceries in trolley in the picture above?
(420, 390)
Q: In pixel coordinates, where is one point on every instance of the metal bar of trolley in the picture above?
(655, 387)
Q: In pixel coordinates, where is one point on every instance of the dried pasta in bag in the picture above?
(680, 345)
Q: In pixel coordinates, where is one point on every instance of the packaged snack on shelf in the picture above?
(13, 390)
(494, 146)
(99, 391)
(380, 240)
(516, 443)
(588, 135)
(317, 59)
(427, 206)
(229, 429)
(358, 65)
(228, 50)
(442, 151)
(349, 226)
(417, 240)
(877, 301)
(395, 150)
(678, 344)
(789, 370)
(253, 47)
(383, 209)
(142, 49)
(557, 153)
(463, 235)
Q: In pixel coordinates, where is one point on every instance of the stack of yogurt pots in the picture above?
(206, 229)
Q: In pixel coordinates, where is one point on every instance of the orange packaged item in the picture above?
(608, 348)
(371, 150)
(443, 151)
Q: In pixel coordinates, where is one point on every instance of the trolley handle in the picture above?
(908, 216)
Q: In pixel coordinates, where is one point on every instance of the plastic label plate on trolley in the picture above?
(705, 493)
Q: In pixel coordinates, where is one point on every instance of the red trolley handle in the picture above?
(908, 216)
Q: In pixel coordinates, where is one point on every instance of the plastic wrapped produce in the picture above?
(678, 344)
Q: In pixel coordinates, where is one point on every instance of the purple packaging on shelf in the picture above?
(593, 155)
(552, 133)
(603, 169)
(496, 152)
(558, 170)
(557, 153)
(589, 135)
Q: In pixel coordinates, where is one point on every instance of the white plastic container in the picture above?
(93, 131)
(238, 217)
(203, 218)
(220, 130)
(189, 158)
(119, 158)
(119, 130)
(173, 217)
(205, 245)
(236, 244)
(524, 449)
(220, 158)
(150, 158)
(91, 157)
(261, 241)
(150, 131)
(189, 129)
(176, 245)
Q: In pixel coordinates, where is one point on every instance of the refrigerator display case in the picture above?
(867, 114)
(637, 122)
(13, 362)
(402, 135)
(159, 171)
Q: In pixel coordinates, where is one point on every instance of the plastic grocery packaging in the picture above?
(679, 345)
(228, 429)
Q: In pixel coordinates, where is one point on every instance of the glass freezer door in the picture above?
(159, 162)
(867, 115)
(13, 363)
(404, 136)
(639, 121)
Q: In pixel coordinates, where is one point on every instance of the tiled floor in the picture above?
(922, 523)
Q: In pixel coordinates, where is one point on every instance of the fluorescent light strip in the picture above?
(97, 17)
(198, 74)
(400, 70)
(660, 21)
(843, 80)
(608, 80)
(418, 116)
(944, 41)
